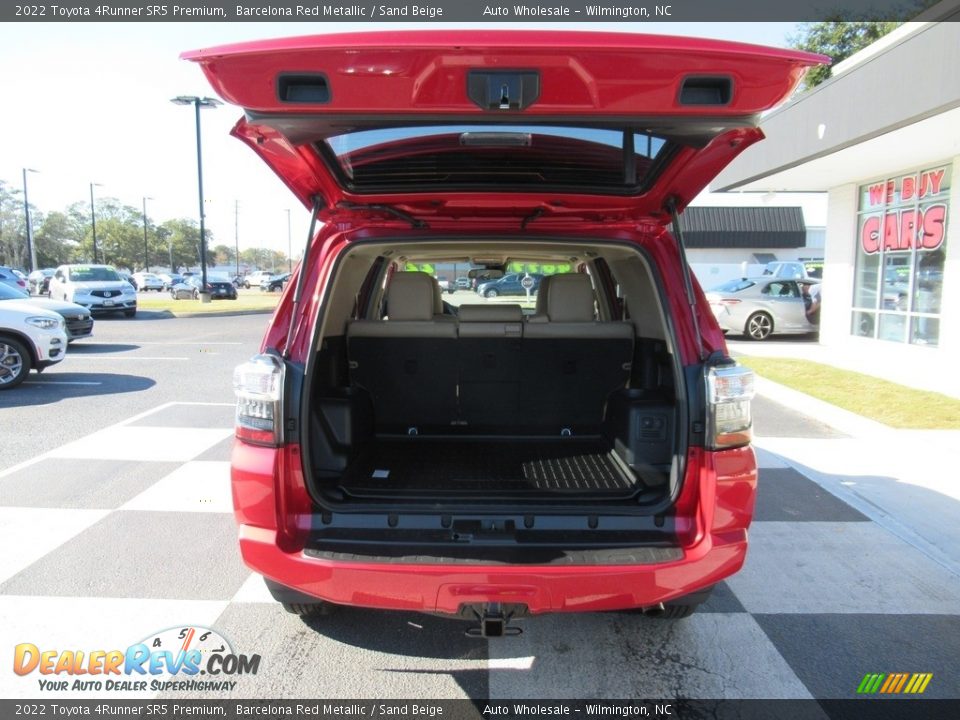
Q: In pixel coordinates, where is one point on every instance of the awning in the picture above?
(743, 227)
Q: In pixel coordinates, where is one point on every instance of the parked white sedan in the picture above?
(761, 307)
(148, 281)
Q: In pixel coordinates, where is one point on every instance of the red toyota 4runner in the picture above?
(492, 458)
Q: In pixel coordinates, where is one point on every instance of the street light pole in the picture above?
(198, 103)
(289, 245)
(93, 221)
(31, 249)
(146, 254)
(236, 233)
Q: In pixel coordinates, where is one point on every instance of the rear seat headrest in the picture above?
(567, 298)
(410, 296)
(490, 313)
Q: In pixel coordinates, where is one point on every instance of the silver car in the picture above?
(760, 307)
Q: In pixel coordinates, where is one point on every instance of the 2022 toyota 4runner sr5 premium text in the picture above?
(591, 452)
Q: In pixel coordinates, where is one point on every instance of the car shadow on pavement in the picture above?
(95, 348)
(396, 632)
(51, 388)
(141, 315)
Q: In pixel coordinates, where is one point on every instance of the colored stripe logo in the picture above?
(894, 683)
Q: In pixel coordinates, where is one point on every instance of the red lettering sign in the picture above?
(934, 226)
(908, 229)
(876, 195)
(891, 232)
(930, 182)
(908, 187)
(870, 234)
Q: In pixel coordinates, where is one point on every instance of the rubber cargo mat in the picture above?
(423, 466)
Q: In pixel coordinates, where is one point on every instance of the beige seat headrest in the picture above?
(410, 296)
(566, 298)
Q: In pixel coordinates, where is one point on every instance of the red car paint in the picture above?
(422, 74)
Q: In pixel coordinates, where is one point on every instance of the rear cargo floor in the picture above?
(420, 466)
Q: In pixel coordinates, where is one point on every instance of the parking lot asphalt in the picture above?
(128, 366)
(115, 512)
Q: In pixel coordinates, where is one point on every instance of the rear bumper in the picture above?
(445, 588)
(712, 512)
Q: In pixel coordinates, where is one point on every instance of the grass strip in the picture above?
(881, 400)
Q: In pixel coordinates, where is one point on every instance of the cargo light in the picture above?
(729, 417)
(258, 386)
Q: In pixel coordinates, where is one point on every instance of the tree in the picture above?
(182, 237)
(224, 255)
(13, 236)
(263, 259)
(839, 40)
(58, 237)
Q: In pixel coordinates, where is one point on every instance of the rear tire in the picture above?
(491, 293)
(759, 326)
(308, 610)
(681, 607)
(15, 363)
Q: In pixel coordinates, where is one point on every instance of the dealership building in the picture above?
(882, 139)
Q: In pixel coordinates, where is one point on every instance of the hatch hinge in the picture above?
(685, 268)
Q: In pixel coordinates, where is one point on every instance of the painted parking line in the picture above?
(60, 382)
(177, 342)
(132, 419)
(111, 358)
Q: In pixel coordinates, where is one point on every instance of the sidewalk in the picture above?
(905, 480)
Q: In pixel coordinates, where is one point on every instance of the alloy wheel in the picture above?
(759, 326)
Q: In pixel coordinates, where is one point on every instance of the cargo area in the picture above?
(559, 398)
(487, 468)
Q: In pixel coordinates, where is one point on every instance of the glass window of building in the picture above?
(901, 245)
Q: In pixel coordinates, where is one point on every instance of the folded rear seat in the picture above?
(570, 362)
(488, 353)
(407, 362)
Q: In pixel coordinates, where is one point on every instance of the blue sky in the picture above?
(89, 102)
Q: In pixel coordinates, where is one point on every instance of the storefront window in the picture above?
(902, 230)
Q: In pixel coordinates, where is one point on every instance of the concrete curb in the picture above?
(219, 314)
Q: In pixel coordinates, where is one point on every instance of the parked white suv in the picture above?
(30, 337)
(98, 287)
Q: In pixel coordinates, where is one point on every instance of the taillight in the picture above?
(258, 385)
(729, 419)
(729, 301)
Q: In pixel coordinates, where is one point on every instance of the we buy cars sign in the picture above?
(915, 226)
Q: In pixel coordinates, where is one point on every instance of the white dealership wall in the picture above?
(891, 110)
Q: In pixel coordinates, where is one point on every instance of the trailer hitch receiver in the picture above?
(494, 622)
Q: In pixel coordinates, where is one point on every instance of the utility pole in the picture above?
(31, 248)
(146, 252)
(93, 221)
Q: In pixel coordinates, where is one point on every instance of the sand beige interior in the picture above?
(417, 400)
